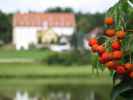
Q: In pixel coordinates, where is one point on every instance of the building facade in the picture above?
(26, 27)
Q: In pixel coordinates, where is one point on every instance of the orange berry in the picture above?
(95, 47)
(117, 55)
(120, 34)
(100, 49)
(110, 32)
(108, 21)
(131, 74)
(111, 65)
(128, 66)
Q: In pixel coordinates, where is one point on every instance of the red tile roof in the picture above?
(40, 19)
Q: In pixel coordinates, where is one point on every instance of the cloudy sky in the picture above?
(41, 5)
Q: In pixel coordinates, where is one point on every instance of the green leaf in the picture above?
(124, 89)
(95, 63)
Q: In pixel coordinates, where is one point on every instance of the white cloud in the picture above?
(41, 5)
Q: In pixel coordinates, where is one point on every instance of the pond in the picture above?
(56, 92)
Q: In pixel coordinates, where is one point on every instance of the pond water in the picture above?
(57, 92)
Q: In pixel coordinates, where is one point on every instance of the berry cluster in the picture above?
(112, 58)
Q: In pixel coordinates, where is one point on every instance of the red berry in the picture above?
(116, 45)
(117, 55)
(92, 41)
(101, 60)
(106, 56)
(120, 69)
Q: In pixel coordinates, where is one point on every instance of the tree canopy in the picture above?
(5, 27)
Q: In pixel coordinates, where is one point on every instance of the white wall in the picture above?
(23, 36)
(68, 31)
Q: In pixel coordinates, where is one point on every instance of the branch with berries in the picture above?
(114, 49)
(112, 58)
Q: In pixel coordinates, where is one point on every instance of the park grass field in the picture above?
(24, 54)
(35, 69)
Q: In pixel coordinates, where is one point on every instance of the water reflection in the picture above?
(60, 95)
(21, 96)
(57, 92)
(24, 96)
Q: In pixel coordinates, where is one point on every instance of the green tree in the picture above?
(87, 22)
(5, 27)
(59, 9)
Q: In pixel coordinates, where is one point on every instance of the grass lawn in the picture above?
(37, 74)
(30, 54)
(43, 74)
(44, 71)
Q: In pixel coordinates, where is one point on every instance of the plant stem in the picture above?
(129, 30)
(130, 58)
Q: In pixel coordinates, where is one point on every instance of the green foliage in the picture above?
(123, 21)
(87, 22)
(123, 88)
(37, 70)
(32, 46)
(68, 58)
(59, 9)
(122, 13)
(35, 54)
(74, 40)
(5, 27)
(96, 65)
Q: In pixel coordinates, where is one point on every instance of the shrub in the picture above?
(68, 58)
(32, 46)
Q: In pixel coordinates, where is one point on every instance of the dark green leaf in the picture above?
(124, 89)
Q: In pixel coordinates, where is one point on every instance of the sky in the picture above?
(84, 6)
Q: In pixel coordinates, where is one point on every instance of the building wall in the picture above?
(23, 36)
(67, 31)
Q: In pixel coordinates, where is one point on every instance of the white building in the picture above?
(27, 25)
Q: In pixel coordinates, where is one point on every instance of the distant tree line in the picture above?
(84, 22)
(5, 27)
